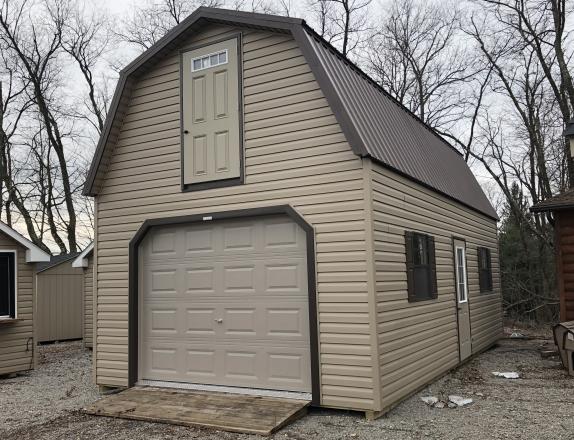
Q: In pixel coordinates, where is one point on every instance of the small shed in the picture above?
(60, 300)
(85, 261)
(17, 293)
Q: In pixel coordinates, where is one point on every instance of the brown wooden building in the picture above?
(562, 206)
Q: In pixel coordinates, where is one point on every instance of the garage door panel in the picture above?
(163, 321)
(280, 236)
(163, 360)
(285, 322)
(163, 245)
(239, 278)
(200, 321)
(198, 241)
(286, 369)
(286, 276)
(227, 306)
(201, 364)
(200, 280)
(240, 321)
(240, 237)
(163, 282)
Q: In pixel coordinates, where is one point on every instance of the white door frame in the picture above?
(459, 298)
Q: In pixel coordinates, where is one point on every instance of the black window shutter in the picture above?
(481, 285)
(432, 267)
(489, 270)
(410, 264)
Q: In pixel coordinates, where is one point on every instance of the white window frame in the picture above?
(15, 252)
(457, 280)
(208, 56)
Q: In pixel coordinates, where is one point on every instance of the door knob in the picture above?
(219, 321)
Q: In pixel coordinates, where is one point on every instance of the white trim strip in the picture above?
(208, 57)
(82, 259)
(224, 389)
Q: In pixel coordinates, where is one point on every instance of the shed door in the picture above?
(464, 336)
(226, 303)
(210, 104)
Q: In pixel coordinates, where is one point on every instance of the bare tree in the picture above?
(417, 56)
(539, 27)
(86, 38)
(13, 105)
(321, 13)
(342, 22)
(153, 20)
(37, 46)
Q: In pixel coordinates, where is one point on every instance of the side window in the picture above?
(7, 285)
(421, 266)
(211, 110)
(484, 269)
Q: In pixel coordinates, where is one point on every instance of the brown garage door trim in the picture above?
(133, 306)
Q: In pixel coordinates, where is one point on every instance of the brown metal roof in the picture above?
(375, 124)
(560, 201)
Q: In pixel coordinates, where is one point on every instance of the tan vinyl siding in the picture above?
(419, 341)
(17, 339)
(89, 304)
(295, 153)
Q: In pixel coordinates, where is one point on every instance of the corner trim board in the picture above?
(133, 295)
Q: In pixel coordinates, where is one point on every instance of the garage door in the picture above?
(226, 303)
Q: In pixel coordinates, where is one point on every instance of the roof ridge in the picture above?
(373, 83)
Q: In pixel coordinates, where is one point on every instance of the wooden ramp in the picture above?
(223, 411)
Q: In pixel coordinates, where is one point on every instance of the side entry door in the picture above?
(461, 280)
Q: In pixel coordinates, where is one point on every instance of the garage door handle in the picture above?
(219, 321)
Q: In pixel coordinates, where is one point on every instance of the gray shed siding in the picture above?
(60, 303)
(419, 341)
(295, 153)
(17, 342)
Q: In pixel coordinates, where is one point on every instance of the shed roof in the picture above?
(375, 124)
(34, 253)
(55, 260)
(564, 200)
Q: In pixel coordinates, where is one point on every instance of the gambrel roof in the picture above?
(375, 124)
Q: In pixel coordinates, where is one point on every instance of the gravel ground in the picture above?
(60, 383)
(540, 405)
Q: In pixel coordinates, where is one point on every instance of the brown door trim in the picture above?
(133, 306)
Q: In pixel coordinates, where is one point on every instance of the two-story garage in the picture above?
(267, 217)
